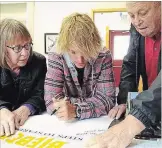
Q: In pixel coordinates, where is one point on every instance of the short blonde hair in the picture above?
(9, 29)
(78, 30)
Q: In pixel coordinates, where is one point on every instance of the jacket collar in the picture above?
(68, 61)
(73, 70)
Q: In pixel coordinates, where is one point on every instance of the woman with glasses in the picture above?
(22, 74)
(80, 71)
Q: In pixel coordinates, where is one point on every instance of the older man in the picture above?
(143, 58)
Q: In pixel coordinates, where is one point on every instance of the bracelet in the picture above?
(78, 112)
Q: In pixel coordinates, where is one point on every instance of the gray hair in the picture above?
(156, 4)
(9, 29)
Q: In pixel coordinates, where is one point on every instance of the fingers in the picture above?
(56, 105)
(21, 115)
(7, 123)
(12, 127)
(17, 122)
(22, 121)
(2, 132)
(120, 112)
(61, 104)
(117, 111)
(93, 143)
(113, 112)
(6, 128)
(60, 110)
(55, 100)
(104, 140)
(59, 100)
(61, 113)
(66, 112)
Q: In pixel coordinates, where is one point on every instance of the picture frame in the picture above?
(50, 42)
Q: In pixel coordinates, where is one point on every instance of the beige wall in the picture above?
(48, 16)
(13, 10)
(22, 11)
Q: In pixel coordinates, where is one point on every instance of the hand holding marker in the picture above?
(55, 110)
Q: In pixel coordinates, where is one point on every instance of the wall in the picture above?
(13, 10)
(48, 16)
(22, 11)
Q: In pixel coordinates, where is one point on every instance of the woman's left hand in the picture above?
(21, 115)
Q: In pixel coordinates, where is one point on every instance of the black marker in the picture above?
(55, 110)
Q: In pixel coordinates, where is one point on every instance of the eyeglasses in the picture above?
(19, 48)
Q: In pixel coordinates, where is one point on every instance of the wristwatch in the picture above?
(78, 112)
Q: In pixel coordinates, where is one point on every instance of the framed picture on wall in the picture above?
(50, 41)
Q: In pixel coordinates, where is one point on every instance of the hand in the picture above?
(21, 115)
(117, 111)
(118, 136)
(66, 111)
(7, 124)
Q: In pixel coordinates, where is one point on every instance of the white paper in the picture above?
(51, 124)
(74, 133)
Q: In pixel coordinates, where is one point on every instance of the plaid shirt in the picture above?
(97, 95)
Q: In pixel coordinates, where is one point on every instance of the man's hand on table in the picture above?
(118, 136)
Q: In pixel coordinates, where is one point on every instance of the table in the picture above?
(46, 131)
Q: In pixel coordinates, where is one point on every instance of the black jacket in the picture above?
(27, 88)
(134, 66)
(147, 105)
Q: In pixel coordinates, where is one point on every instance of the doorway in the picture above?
(119, 42)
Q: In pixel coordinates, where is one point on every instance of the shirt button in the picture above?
(155, 48)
